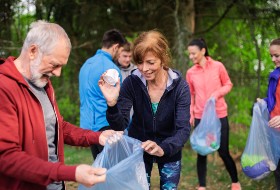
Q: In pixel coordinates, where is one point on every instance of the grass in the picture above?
(217, 178)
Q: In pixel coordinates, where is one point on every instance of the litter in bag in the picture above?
(205, 138)
(123, 160)
(258, 160)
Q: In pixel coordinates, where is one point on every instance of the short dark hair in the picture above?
(127, 47)
(112, 37)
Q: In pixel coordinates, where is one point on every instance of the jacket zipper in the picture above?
(55, 112)
(154, 116)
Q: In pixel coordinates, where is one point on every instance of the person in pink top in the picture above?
(208, 78)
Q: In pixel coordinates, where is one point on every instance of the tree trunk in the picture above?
(184, 28)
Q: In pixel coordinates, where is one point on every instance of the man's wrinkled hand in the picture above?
(89, 176)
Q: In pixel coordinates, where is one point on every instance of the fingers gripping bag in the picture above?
(205, 138)
(258, 160)
(123, 160)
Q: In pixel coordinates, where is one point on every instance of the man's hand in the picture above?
(89, 176)
(152, 148)
(110, 135)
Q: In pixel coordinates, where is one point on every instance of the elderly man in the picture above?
(32, 130)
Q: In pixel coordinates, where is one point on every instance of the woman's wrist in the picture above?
(112, 103)
(162, 153)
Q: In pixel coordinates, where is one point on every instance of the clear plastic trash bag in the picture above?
(258, 160)
(123, 160)
(205, 138)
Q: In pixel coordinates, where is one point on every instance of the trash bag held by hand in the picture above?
(258, 160)
(206, 137)
(123, 160)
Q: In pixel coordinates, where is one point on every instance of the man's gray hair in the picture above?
(46, 35)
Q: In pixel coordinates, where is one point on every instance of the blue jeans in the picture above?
(169, 174)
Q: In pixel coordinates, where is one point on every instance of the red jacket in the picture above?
(23, 144)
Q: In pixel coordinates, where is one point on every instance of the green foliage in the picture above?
(232, 43)
(231, 40)
(69, 110)
(77, 155)
(240, 103)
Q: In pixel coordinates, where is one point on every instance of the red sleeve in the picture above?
(76, 136)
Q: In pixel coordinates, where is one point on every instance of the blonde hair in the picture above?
(151, 41)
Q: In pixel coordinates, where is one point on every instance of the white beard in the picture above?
(35, 76)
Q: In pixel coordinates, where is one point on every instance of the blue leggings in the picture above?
(169, 174)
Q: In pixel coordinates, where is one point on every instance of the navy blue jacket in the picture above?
(169, 127)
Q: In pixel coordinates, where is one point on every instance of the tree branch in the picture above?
(219, 20)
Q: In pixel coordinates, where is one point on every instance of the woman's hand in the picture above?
(214, 95)
(274, 122)
(259, 100)
(110, 135)
(192, 121)
(110, 93)
(152, 148)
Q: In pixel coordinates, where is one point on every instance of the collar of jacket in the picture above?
(173, 77)
(106, 54)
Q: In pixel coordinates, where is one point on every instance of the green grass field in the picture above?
(217, 178)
